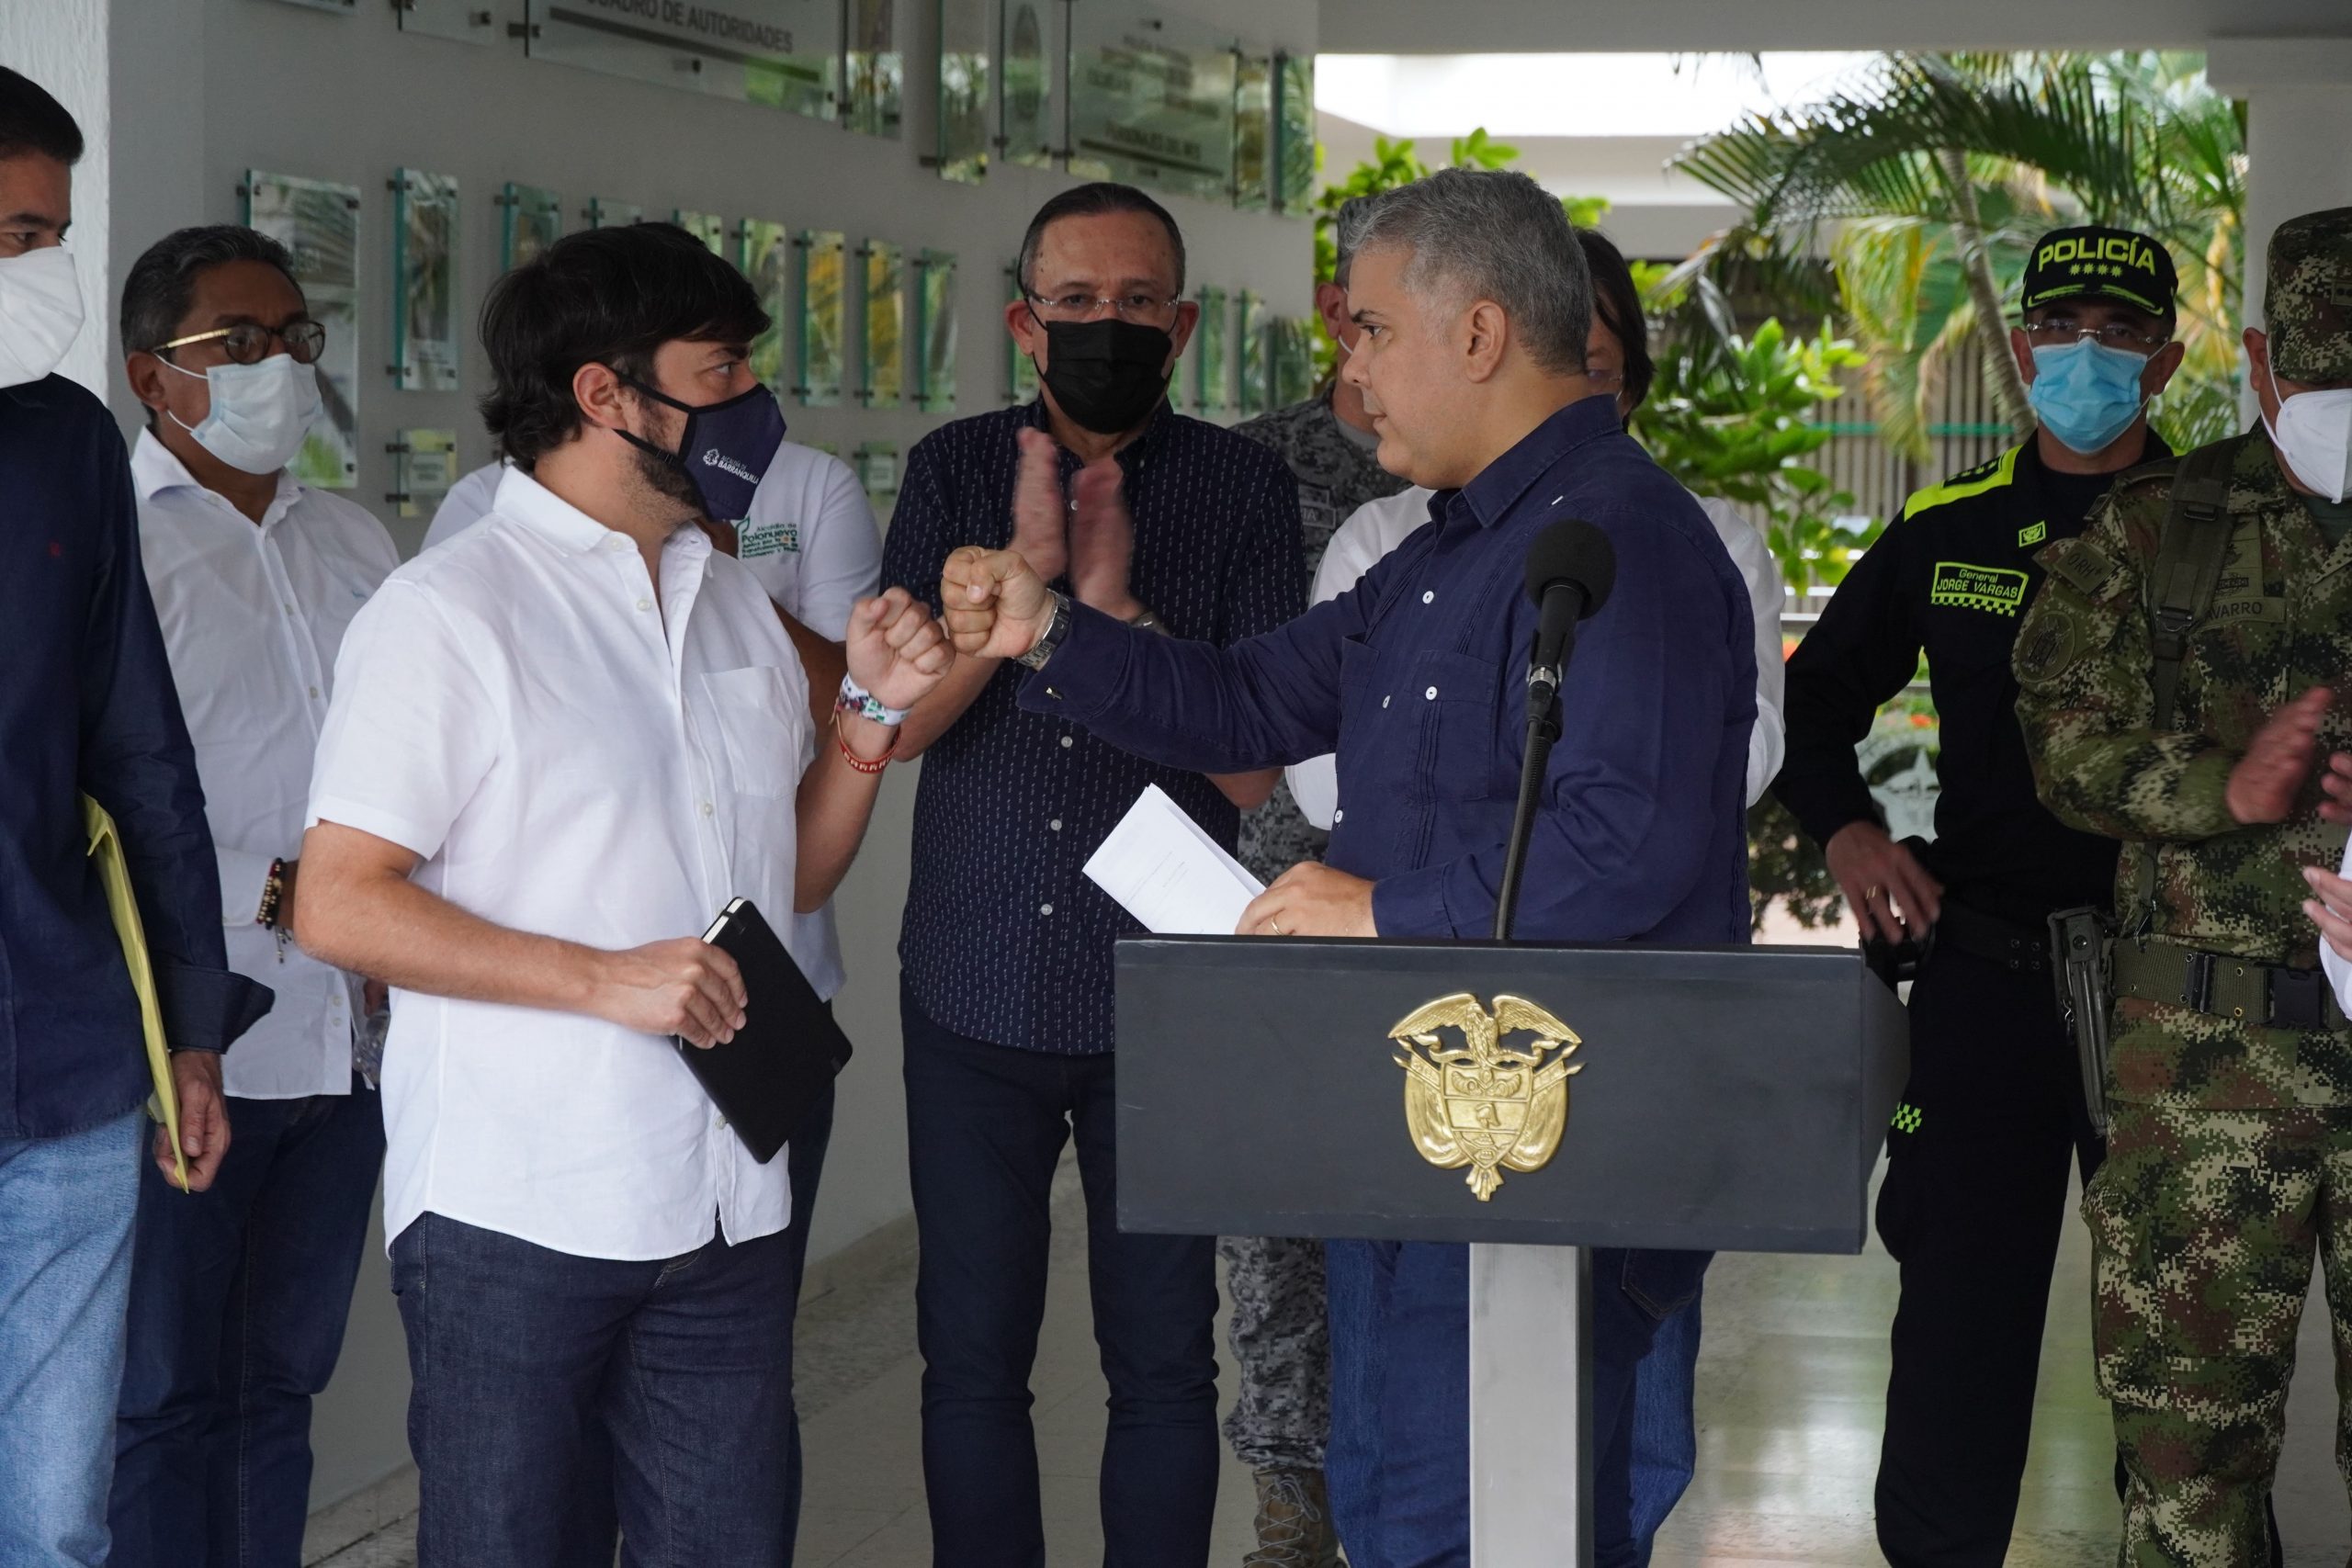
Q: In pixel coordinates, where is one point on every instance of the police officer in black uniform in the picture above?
(1976, 1190)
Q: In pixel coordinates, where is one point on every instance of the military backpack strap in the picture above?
(2189, 554)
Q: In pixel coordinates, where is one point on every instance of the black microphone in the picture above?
(1571, 570)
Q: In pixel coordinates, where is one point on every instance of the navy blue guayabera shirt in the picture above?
(87, 707)
(1006, 939)
(1417, 679)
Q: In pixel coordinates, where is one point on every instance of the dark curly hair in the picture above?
(603, 296)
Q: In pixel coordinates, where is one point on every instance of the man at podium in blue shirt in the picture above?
(1473, 301)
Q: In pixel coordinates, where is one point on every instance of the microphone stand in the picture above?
(1530, 1308)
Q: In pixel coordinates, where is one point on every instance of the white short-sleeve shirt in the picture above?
(812, 544)
(575, 757)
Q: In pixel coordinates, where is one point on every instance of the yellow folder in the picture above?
(114, 873)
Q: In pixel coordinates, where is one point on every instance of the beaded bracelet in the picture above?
(857, 701)
(869, 766)
(272, 889)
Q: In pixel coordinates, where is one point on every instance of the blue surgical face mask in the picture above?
(2085, 393)
(260, 412)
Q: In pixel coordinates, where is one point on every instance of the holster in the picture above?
(2081, 962)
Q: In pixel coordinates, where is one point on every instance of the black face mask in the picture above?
(1108, 374)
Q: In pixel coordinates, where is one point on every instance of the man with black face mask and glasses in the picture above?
(1162, 522)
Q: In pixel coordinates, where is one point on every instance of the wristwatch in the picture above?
(1057, 630)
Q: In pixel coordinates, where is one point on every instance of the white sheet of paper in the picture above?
(1169, 874)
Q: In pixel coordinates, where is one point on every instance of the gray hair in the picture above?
(162, 282)
(1346, 232)
(1492, 234)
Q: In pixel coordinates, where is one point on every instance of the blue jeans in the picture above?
(986, 1124)
(238, 1302)
(518, 1353)
(1666, 1425)
(1398, 1465)
(66, 1208)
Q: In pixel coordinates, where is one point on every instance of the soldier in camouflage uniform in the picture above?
(1280, 1337)
(2229, 1082)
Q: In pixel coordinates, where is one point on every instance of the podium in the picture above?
(1531, 1100)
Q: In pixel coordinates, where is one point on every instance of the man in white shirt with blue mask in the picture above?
(809, 540)
(239, 1293)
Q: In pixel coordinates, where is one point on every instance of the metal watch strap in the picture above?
(1057, 629)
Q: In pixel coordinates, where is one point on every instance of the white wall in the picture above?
(195, 92)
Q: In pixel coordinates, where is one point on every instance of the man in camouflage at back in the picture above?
(2230, 1153)
(1280, 1335)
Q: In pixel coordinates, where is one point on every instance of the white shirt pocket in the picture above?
(754, 712)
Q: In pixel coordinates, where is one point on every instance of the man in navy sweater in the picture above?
(86, 709)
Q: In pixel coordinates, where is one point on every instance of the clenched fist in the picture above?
(895, 649)
(996, 606)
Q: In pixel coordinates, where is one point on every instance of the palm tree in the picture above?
(1923, 181)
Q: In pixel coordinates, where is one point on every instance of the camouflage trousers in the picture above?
(1280, 1339)
(2203, 1224)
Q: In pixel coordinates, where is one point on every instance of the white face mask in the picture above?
(260, 412)
(40, 313)
(2314, 435)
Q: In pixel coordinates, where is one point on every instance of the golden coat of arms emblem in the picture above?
(1487, 1105)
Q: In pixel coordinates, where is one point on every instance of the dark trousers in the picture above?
(1972, 1209)
(239, 1296)
(985, 1127)
(526, 1361)
(1398, 1464)
(804, 1163)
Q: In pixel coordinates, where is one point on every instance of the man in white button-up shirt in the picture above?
(810, 542)
(559, 745)
(239, 1293)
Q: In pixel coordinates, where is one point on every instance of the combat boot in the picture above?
(1294, 1522)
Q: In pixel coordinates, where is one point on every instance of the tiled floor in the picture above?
(1790, 1380)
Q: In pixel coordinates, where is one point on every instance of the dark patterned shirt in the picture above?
(1006, 939)
(1336, 473)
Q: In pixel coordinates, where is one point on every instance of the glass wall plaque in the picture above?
(1213, 353)
(1254, 131)
(1151, 99)
(877, 464)
(1293, 354)
(425, 465)
(935, 332)
(463, 21)
(966, 90)
(824, 316)
(707, 227)
(765, 258)
(603, 214)
(424, 264)
(783, 53)
(1029, 52)
(530, 220)
(878, 70)
(318, 221)
(1294, 133)
(1020, 370)
(884, 383)
(1256, 385)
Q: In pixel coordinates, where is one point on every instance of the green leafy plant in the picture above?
(1925, 179)
(1739, 420)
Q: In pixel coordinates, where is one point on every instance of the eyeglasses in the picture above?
(248, 342)
(1146, 309)
(2055, 330)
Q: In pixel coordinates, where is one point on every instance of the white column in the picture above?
(2298, 94)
